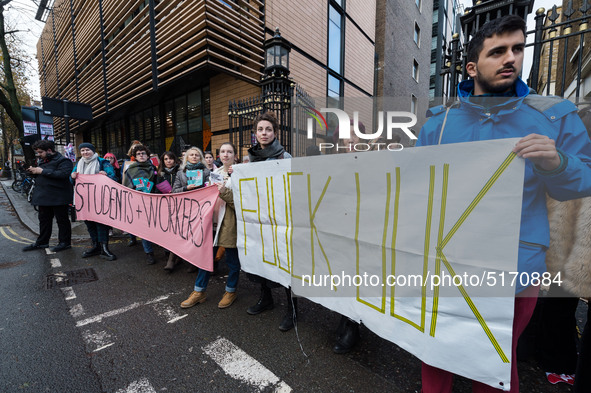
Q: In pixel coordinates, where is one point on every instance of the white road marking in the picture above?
(118, 311)
(55, 262)
(140, 386)
(77, 310)
(282, 388)
(103, 347)
(166, 311)
(240, 365)
(48, 251)
(69, 293)
(101, 339)
(173, 320)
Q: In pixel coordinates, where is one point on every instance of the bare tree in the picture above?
(13, 91)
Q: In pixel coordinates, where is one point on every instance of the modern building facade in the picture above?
(163, 72)
(403, 42)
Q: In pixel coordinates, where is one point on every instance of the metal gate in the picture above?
(288, 101)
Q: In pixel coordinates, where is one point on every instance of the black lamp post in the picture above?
(277, 87)
(277, 56)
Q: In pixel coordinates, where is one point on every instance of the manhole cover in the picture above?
(72, 277)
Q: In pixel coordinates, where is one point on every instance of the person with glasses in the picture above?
(141, 176)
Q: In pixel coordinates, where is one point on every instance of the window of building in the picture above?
(414, 104)
(335, 39)
(417, 36)
(418, 2)
(334, 86)
(415, 70)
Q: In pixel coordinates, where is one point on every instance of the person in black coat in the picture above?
(53, 193)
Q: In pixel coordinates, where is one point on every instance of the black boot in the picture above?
(95, 250)
(150, 258)
(290, 317)
(265, 301)
(348, 339)
(106, 253)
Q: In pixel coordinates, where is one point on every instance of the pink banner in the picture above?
(181, 223)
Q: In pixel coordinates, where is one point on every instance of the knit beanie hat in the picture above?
(87, 145)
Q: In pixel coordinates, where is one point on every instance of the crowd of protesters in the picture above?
(558, 162)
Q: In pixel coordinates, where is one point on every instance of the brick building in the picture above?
(163, 72)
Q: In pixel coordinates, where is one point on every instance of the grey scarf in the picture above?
(89, 166)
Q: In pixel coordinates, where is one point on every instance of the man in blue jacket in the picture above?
(497, 104)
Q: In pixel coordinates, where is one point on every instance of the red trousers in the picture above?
(436, 380)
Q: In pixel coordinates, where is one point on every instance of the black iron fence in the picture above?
(288, 100)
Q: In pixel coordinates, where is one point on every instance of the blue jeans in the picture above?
(233, 263)
(147, 246)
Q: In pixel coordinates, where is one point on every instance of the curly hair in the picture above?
(138, 148)
(269, 116)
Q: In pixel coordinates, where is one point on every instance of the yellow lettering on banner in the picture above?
(382, 308)
(394, 233)
(439, 253)
(441, 245)
(242, 204)
(421, 327)
(288, 202)
(274, 263)
(313, 229)
(287, 223)
(275, 234)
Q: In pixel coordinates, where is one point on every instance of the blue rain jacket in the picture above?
(519, 116)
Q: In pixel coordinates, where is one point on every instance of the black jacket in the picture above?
(52, 186)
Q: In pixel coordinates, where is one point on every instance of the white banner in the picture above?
(420, 245)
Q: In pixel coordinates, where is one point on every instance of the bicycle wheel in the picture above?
(16, 185)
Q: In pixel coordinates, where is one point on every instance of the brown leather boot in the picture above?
(194, 299)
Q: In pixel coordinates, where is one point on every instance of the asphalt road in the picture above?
(125, 332)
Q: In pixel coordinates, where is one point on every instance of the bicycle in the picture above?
(19, 176)
(26, 185)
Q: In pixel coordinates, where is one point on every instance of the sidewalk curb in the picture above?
(23, 218)
(32, 225)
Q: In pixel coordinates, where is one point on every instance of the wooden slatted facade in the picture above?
(113, 54)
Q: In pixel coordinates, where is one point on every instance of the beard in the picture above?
(489, 88)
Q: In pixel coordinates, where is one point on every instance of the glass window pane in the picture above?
(334, 86)
(334, 41)
(180, 107)
(194, 110)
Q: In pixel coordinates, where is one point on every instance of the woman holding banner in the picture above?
(141, 176)
(91, 164)
(226, 235)
(269, 148)
(124, 166)
(167, 169)
(192, 174)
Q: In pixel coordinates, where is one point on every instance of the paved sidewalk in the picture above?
(28, 216)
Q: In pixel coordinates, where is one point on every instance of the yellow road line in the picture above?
(17, 235)
(2, 230)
